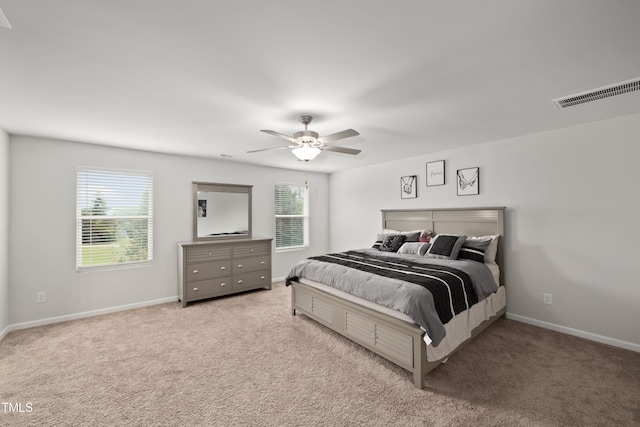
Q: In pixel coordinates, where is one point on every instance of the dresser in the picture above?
(222, 267)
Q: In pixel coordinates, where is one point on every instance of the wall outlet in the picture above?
(547, 298)
(41, 297)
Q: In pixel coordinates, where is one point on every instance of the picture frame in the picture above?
(408, 186)
(435, 173)
(468, 181)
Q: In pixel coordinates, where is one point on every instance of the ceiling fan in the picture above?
(308, 144)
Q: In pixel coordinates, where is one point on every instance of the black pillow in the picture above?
(446, 246)
(392, 243)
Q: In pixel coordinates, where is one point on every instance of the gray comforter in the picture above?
(408, 298)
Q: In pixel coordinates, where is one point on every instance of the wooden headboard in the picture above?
(467, 221)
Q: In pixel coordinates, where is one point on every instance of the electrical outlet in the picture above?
(41, 297)
(547, 298)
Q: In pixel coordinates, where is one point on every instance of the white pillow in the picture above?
(414, 248)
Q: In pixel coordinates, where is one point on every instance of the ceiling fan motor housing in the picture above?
(306, 135)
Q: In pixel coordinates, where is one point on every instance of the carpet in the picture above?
(244, 360)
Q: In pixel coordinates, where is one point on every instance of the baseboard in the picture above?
(67, 317)
(576, 332)
(4, 332)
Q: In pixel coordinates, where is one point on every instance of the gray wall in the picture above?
(42, 224)
(572, 199)
(4, 232)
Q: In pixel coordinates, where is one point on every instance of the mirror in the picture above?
(221, 211)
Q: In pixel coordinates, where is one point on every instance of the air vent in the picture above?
(597, 94)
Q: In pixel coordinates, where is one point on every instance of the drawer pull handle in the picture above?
(210, 254)
(195, 271)
(239, 281)
(223, 284)
(261, 262)
(195, 289)
(261, 277)
(251, 249)
(240, 266)
(223, 268)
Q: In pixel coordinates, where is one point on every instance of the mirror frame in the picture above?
(213, 187)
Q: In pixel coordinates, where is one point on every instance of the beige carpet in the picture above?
(244, 360)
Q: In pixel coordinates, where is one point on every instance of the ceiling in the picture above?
(201, 78)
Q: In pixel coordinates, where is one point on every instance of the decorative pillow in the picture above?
(425, 236)
(380, 238)
(446, 246)
(414, 248)
(492, 250)
(392, 243)
(411, 236)
(474, 249)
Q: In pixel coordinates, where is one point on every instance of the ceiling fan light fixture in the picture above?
(306, 152)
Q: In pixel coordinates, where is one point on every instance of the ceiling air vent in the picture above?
(596, 94)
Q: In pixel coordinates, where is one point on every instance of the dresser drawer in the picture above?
(252, 249)
(208, 253)
(255, 279)
(208, 288)
(250, 264)
(208, 270)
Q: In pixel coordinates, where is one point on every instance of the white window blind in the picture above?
(114, 213)
(292, 216)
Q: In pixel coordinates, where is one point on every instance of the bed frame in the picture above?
(398, 341)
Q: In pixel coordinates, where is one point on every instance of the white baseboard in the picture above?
(67, 317)
(4, 332)
(576, 332)
(552, 326)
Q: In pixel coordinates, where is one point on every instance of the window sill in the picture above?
(292, 249)
(112, 267)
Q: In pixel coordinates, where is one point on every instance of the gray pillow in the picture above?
(446, 246)
(411, 236)
(474, 249)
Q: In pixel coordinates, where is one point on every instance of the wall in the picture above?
(571, 220)
(4, 233)
(42, 224)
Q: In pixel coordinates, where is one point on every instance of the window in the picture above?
(114, 223)
(292, 216)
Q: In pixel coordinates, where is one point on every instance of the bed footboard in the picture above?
(393, 339)
(397, 341)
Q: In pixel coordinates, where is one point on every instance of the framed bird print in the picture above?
(408, 187)
(468, 181)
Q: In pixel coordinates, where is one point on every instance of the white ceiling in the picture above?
(201, 78)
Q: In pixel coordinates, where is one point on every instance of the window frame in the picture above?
(305, 216)
(86, 194)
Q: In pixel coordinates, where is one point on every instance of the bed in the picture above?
(390, 333)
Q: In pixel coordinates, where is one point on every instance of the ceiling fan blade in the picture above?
(272, 148)
(281, 135)
(339, 135)
(344, 150)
